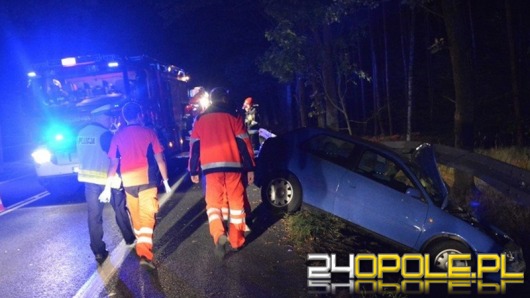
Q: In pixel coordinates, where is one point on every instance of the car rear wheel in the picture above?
(282, 192)
(439, 255)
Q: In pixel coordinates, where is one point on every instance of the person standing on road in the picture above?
(221, 149)
(251, 121)
(93, 142)
(136, 149)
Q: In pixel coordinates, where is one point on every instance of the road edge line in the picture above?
(25, 202)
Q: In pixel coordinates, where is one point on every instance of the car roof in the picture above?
(309, 132)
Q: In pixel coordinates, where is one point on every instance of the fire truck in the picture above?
(62, 93)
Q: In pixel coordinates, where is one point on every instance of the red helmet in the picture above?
(247, 103)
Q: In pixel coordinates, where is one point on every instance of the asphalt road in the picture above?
(187, 267)
(44, 250)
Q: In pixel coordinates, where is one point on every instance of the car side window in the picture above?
(331, 149)
(384, 171)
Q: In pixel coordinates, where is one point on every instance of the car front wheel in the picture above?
(439, 255)
(283, 193)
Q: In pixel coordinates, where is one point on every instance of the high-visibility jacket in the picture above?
(93, 142)
(219, 142)
(136, 146)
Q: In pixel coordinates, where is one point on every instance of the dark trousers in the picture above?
(95, 216)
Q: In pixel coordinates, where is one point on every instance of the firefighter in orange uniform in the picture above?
(138, 152)
(221, 149)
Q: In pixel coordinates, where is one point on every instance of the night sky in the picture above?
(209, 39)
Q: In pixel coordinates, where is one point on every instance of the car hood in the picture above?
(424, 157)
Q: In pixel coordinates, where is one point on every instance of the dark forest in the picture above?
(450, 71)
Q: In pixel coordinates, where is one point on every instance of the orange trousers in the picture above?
(219, 188)
(143, 210)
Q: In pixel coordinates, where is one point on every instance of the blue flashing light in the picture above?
(59, 137)
(32, 74)
(113, 64)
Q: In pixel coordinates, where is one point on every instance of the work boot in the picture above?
(101, 257)
(220, 247)
(247, 230)
(147, 264)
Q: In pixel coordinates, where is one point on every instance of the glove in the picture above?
(167, 188)
(105, 195)
(115, 182)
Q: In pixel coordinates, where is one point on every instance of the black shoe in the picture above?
(247, 230)
(147, 264)
(101, 257)
(220, 247)
(231, 249)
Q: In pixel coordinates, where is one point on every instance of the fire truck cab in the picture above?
(62, 93)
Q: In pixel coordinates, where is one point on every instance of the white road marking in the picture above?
(25, 202)
(96, 283)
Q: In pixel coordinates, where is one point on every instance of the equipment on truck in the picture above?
(199, 101)
(62, 93)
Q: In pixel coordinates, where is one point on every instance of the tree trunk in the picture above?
(363, 93)
(429, 71)
(378, 126)
(289, 106)
(300, 101)
(410, 73)
(387, 81)
(460, 50)
(404, 60)
(516, 93)
(328, 78)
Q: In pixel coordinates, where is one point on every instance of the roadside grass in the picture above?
(310, 230)
(500, 209)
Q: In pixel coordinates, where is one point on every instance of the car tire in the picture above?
(282, 193)
(439, 254)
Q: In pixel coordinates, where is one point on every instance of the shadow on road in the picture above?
(262, 220)
(195, 217)
(192, 220)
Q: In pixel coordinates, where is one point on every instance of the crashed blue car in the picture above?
(398, 198)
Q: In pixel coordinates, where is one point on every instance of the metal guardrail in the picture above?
(510, 180)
